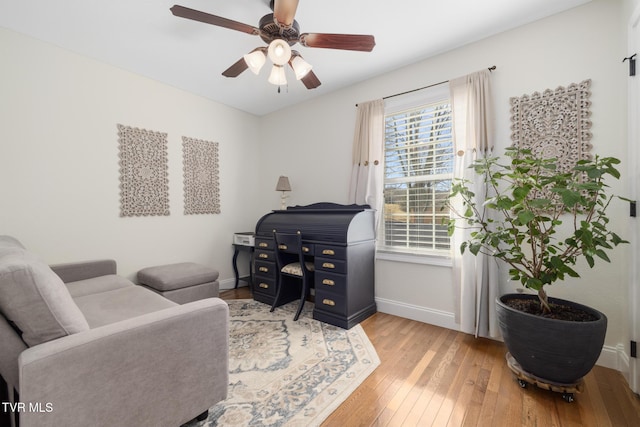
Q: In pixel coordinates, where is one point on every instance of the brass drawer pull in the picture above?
(263, 245)
(263, 256)
(305, 249)
(263, 286)
(328, 282)
(328, 252)
(330, 302)
(328, 265)
(282, 247)
(264, 269)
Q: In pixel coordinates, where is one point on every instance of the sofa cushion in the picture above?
(81, 270)
(10, 242)
(96, 285)
(177, 276)
(35, 300)
(124, 303)
(10, 245)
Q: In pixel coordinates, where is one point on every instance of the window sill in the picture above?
(415, 258)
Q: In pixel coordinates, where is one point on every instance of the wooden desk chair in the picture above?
(290, 262)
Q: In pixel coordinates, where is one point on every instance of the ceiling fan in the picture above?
(280, 31)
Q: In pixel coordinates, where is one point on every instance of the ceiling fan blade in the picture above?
(310, 80)
(359, 42)
(196, 15)
(236, 69)
(284, 11)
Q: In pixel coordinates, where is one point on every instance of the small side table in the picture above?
(243, 243)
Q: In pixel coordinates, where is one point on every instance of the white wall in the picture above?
(583, 43)
(630, 6)
(59, 181)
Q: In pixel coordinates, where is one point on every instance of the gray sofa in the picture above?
(82, 346)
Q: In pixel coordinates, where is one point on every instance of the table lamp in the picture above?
(283, 185)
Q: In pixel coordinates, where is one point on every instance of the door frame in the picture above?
(633, 137)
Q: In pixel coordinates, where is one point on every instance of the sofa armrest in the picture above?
(12, 346)
(74, 271)
(162, 368)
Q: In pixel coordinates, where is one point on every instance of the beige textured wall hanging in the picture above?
(201, 184)
(554, 124)
(144, 183)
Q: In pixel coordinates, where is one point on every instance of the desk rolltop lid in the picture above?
(322, 222)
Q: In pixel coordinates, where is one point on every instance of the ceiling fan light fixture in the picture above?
(300, 67)
(279, 52)
(255, 60)
(277, 76)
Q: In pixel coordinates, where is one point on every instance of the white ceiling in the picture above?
(143, 36)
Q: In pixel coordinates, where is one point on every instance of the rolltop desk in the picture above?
(340, 239)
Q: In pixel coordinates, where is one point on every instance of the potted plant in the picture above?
(540, 222)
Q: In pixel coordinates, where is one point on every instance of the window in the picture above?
(419, 161)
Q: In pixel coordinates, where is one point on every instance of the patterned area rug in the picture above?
(286, 373)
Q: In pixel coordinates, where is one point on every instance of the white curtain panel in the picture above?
(367, 175)
(475, 277)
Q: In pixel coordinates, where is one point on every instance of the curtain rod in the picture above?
(493, 67)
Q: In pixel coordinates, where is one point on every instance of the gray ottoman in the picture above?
(181, 283)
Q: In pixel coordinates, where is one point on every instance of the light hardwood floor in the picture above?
(431, 376)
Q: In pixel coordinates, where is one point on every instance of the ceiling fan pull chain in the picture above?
(286, 86)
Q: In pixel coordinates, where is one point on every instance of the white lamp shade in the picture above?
(300, 67)
(283, 184)
(277, 76)
(255, 60)
(279, 52)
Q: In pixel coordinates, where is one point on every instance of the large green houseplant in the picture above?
(540, 222)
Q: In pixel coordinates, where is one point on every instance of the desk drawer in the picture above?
(330, 264)
(307, 249)
(262, 243)
(330, 302)
(267, 269)
(335, 252)
(330, 282)
(263, 255)
(265, 285)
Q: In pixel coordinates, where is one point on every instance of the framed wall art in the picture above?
(554, 124)
(144, 182)
(201, 183)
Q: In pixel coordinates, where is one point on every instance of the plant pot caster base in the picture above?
(524, 378)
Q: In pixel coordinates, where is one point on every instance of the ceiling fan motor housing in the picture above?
(270, 30)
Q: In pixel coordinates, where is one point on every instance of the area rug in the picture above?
(286, 373)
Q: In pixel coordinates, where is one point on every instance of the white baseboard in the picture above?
(615, 358)
(421, 314)
(227, 284)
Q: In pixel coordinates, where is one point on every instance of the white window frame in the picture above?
(414, 100)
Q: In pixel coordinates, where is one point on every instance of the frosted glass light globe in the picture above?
(279, 52)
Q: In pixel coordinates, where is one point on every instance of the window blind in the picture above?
(418, 172)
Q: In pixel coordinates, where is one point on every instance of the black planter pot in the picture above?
(558, 351)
